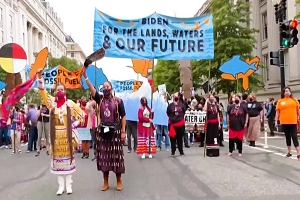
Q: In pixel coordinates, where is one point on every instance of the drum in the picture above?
(213, 151)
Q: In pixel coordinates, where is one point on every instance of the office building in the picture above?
(33, 24)
(74, 50)
(267, 39)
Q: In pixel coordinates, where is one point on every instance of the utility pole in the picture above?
(287, 37)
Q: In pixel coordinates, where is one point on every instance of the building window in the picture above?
(2, 37)
(11, 39)
(1, 14)
(265, 69)
(72, 55)
(72, 47)
(264, 19)
(24, 39)
(10, 21)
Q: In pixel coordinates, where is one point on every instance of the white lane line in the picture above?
(262, 144)
(265, 150)
(294, 157)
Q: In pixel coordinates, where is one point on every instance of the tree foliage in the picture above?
(166, 72)
(2, 74)
(298, 15)
(232, 36)
(71, 65)
(32, 96)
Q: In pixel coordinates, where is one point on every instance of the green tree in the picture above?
(71, 65)
(232, 36)
(32, 96)
(166, 72)
(2, 74)
(298, 15)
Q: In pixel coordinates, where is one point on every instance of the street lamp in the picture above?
(137, 75)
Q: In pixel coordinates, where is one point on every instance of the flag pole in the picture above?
(151, 106)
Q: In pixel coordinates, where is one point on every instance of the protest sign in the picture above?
(155, 37)
(84, 134)
(194, 120)
(59, 74)
(123, 86)
(126, 86)
(162, 89)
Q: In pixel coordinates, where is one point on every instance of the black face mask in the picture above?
(237, 101)
(144, 103)
(250, 99)
(106, 92)
(176, 99)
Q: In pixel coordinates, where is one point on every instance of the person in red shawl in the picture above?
(237, 116)
(145, 130)
(85, 143)
(176, 111)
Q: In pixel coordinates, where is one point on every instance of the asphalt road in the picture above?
(259, 174)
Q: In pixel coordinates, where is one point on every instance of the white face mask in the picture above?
(288, 93)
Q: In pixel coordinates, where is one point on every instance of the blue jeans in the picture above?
(160, 129)
(32, 139)
(3, 136)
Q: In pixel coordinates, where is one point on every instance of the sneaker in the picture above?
(158, 149)
(129, 151)
(143, 156)
(167, 149)
(150, 156)
(28, 151)
(182, 154)
(6, 147)
(173, 155)
(19, 151)
(13, 152)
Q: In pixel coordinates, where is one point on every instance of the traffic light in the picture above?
(289, 33)
(274, 58)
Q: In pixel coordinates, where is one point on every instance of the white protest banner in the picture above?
(84, 134)
(194, 120)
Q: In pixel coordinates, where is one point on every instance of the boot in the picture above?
(69, 182)
(119, 182)
(105, 181)
(83, 155)
(61, 185)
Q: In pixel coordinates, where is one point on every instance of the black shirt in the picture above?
(176, 112)
(44, 110)
(121, 108)
(254, 109)
(237, 117)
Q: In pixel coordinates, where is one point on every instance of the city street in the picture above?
(259, 174)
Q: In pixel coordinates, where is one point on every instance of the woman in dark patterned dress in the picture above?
(109, 143)
(213, 126)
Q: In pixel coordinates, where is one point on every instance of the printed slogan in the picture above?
(155, 37)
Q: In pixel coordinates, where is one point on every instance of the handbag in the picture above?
(107, 131)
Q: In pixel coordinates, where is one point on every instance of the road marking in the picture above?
(273, 137)
(294, 157)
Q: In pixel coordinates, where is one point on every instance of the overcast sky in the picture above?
(78, 19)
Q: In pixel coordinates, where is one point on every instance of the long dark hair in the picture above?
(283, 91)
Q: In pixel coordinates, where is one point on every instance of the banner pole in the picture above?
(151, 106)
